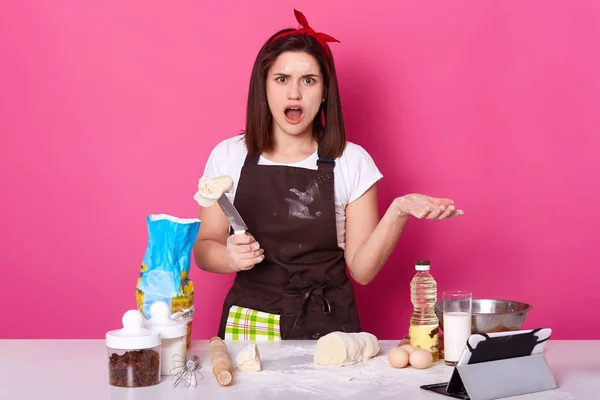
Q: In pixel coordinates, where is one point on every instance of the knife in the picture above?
(232, 214)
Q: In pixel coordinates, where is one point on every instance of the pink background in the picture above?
(108, 111)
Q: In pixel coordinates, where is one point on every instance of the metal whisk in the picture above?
(186, 371)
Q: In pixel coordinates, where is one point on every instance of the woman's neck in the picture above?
(291, 148)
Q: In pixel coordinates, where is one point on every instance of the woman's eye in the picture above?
(310, 81)
(281, 79)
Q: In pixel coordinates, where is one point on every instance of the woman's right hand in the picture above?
(243, 252)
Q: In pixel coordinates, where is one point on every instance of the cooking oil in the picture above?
(424, 324)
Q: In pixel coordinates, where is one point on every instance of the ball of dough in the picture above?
(210, 189)
(248, 359)
(398, 357)
(408, 347)
(421, 359)
(341, 348)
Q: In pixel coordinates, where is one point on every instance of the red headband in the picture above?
(322, 38)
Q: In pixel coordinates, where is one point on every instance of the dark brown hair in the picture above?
(328, 125)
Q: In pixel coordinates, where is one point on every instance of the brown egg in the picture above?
(421, 359)
(398, 357)
(408, 347)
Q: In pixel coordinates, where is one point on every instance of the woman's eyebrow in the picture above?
(302, 76)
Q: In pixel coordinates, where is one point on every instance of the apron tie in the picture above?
(310, 288)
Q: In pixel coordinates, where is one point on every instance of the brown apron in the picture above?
(291, 213)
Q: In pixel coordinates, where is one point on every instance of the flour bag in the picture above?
(166, 265)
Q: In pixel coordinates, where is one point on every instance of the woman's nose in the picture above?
(294, 92)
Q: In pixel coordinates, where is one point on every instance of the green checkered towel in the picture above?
(248, 324)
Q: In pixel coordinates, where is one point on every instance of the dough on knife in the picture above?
(341, 348)
(248, 359)
(210, 189)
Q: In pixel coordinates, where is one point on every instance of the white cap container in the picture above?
(173, 336)
(133, 353)
(422, 265)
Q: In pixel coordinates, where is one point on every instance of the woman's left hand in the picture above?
(423, 206)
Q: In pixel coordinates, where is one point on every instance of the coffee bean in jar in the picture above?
(133, 353)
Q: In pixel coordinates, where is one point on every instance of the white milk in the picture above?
(457, 329)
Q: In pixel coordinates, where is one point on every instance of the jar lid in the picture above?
(160, 321)
(133, 335)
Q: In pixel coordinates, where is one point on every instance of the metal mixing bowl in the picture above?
(489, 315)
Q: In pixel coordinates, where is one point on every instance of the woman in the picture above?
(308, 197)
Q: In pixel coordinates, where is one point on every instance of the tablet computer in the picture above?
(503, 345)
(483, 347)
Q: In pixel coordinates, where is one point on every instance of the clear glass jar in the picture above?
(134, 353)
(173, 336)
(172, 354)
(134, 368)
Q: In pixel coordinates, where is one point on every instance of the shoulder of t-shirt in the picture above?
(354, 153)
(358, 170)
(226, 154)
(353, 150)
(231, 147)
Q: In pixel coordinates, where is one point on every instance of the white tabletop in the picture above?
(78, 369)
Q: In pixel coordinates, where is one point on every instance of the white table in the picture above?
(78, 369)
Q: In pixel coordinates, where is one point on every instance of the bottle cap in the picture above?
(422, 265)
(133, 336)
(160, 321)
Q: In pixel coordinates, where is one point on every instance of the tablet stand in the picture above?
(502, 378)
(498, 367)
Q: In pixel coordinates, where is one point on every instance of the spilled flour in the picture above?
(298, 207)
(288, 373)
(299, 210)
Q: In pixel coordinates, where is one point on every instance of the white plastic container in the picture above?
(172, 335)
(133, 353)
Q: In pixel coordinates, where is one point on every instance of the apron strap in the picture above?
(251, 160)
(323, 163)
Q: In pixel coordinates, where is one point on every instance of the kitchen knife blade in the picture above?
(232, 214)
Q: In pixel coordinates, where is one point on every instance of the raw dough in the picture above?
(210, 189)
(248, 360)
(341, 348)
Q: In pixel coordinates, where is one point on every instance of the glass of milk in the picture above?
(457, 324)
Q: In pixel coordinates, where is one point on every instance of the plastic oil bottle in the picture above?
(424, 324)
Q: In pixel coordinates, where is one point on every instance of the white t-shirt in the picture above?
(354, 173)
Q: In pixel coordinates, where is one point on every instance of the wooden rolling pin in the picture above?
(220, 361)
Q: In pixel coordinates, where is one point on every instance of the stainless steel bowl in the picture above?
(490, 315)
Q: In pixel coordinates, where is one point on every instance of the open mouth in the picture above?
(293, 114)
